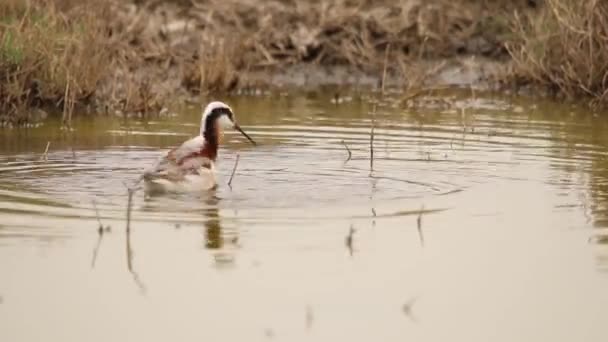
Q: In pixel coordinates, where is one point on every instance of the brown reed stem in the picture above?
(350, 154)
(45, 155)
(371, 141)
(236, 163)
(386, 51)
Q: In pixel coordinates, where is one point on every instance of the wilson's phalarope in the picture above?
(190, 167)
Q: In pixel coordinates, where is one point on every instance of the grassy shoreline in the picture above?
(108, 56)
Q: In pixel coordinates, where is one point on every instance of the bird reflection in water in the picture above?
(221, 241)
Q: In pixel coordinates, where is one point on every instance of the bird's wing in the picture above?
(180, 161)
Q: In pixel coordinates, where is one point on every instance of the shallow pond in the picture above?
(484, 219)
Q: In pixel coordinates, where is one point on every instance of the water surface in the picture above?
(484, 219)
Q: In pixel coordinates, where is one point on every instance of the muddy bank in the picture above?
(150, 54)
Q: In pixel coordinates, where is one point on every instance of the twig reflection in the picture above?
(134, 274)
(419, 224)
(375, 215)
(100, 232)
(408, 182)
(350, 153)
(408, 309)
(350, 239)
(216, 238)
(309, 317)
(236, 163)
(96, 249)
(371, 141)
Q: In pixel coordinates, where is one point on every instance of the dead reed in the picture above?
(133, 56)
(50, 56)
(45, 155)
(236, 163)
(375, 107)
(563, 47)
(371, 141)
(350, 154)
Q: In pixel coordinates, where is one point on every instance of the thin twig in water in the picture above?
(371, 141)
(350, 154)
(236, 163)
(388, 47)
(419, 223)
(67, 105)
(45, 155)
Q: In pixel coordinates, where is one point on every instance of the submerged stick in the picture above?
(350, 154)
(236, 163)
(45, 155)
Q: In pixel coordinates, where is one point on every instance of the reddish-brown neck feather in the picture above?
(212, 140)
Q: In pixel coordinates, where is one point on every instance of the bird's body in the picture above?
(190, 167)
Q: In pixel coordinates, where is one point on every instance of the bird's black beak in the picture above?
(238, 128)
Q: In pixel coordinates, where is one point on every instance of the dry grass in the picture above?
(49, 57)
(134, 56)
(353, 32)
(564, 47)
(213, 43)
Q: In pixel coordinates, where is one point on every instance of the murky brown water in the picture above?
(513, 241)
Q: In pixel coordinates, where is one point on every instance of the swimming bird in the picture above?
(190, 167)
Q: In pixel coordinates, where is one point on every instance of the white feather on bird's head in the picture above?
(220, 111)
(218, 115)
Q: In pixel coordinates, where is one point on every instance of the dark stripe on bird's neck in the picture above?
(211, 132)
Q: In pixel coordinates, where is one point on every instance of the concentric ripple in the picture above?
(475, 210)
(303, 162)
